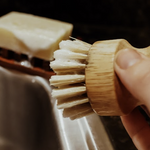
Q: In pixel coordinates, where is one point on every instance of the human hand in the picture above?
(133, 69)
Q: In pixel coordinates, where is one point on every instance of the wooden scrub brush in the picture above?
(86, 81)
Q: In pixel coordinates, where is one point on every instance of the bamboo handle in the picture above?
(106, 93)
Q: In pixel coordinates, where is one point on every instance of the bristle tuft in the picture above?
(69, 65)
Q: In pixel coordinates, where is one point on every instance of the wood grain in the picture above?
(108, 97)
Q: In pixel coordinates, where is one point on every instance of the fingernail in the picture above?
(127, 57)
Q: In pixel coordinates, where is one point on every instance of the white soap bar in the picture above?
(32, 35)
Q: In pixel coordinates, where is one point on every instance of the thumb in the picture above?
(133, 69)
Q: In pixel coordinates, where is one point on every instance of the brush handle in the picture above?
(108, 96)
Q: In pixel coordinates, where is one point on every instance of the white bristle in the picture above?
(78, 111)
(58, 65)
(67, 54)
(70, 102)
(61, 80)
(75, 46)
(69, 64)
(68, 92)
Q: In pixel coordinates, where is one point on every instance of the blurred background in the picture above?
(95, 20)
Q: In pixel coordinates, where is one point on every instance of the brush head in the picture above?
(77, 63)
(69, 83)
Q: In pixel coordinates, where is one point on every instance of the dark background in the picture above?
(93, 19)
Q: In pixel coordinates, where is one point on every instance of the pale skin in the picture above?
(133, 69)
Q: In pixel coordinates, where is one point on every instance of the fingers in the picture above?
(133, 70)
(138, 129)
